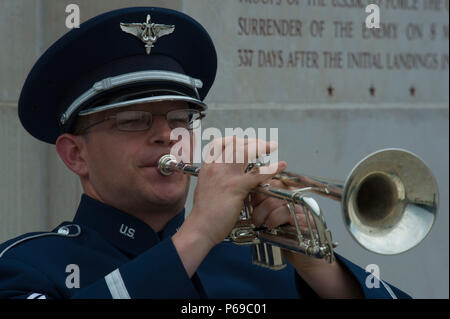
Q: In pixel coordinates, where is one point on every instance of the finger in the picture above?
(214, 150)
(231, 149)
(262, 211)
(257, 198)
(277, 217)
(273, 212)
(301, 220)
(247, 152)
(222, 150)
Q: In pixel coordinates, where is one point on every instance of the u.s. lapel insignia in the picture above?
(148, 32)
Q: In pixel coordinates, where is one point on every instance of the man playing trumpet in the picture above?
(110, 112)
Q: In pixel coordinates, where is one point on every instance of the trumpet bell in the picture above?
(390, 201)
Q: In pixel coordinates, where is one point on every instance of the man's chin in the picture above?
(164, 190)
(167, 194)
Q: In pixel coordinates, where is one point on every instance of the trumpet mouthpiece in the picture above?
(164, 164)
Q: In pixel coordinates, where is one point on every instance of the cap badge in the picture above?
(148, 32)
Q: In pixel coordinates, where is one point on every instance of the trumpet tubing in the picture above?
(389, 204)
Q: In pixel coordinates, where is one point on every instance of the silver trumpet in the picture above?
(389, 204)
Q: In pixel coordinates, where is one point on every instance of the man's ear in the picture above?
(72, 150)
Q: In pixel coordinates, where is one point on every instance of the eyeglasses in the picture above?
(142, 120)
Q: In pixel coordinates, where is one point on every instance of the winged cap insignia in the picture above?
(147, 32)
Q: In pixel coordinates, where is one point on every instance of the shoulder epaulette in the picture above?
(72, 230)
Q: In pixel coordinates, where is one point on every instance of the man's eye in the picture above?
(129, 121)
(132, 124)
(181, 120)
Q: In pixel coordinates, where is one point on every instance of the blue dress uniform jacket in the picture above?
(106, 253)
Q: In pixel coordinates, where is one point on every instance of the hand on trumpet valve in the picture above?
(223, 185)
(272, 212)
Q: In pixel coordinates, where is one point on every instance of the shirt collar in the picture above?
(122, 230)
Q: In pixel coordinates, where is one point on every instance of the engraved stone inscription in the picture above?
(295, 50)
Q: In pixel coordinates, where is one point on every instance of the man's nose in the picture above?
(159, 133)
